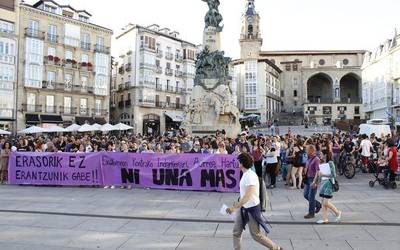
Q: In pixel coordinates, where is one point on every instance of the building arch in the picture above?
(151, 124)
(320, 88)
(350, 86)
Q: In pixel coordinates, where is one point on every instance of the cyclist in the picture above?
(365, 147)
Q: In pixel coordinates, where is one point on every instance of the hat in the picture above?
(243, 133)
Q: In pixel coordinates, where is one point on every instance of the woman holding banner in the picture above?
(248, 209)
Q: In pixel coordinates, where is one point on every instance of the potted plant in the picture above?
(50, 57)
(89, 65)
(56, 59)
(83, 64)
(73, 62)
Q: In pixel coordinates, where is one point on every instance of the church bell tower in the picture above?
(250, 37)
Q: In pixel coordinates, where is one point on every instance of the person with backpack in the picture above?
(299, 162)
(326, 190)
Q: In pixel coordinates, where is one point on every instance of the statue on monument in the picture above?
(213, 18)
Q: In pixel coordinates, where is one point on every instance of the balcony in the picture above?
(83, 111)
(128, 103)
(68, 110)
(71, 42)
(70, 63)
(121, 104)
(169, 105)
(148, 83)
(8, 59)
(48, 85)
(170, 89)
(144, 46)
(101, 49)
(6, 85)
(351, 100)
(159, 53)
(147, 66)
(159, 70)
(159, 87)
(315, 100)
(169, 72)
(52, 38)
(50, 109)
(7, 31)
(85, 46)
(178, 58)
(179, 90)
(169, 56)
(146, 103)
(187, 74)
(34, 33)
(100, 112)
(178, 73)
(6, 113)
(85, 66)
(52, 60)
(31, 108)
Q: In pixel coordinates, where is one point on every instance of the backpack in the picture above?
(301, 158)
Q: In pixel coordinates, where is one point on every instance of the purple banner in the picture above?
(160, 171)
(55, 169)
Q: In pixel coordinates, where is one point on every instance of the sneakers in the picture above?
(320, 222)
(309, 216)
(339, 217)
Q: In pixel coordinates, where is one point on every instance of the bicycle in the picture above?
(346, 166)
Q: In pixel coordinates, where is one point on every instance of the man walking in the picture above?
(310, 187)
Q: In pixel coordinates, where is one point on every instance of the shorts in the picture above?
(325, 196)
(365, 160)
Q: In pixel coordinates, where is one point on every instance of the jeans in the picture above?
(309, 194)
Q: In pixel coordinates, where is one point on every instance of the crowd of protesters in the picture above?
(292, 159)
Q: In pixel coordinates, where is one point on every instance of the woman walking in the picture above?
(326, 191)
(249, 211)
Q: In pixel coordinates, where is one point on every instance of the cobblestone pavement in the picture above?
(55, 218)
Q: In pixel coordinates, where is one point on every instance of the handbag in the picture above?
(335, 185)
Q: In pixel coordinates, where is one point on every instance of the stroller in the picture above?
(381, 175)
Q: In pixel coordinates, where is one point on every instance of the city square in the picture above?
(123, 126)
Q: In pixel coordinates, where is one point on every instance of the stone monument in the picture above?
(212, 106)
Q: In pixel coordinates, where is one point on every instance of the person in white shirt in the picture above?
(249, 210)
(366, 147)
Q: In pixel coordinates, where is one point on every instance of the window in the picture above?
(67, 105)
(282, 93)
(168, 100)
(294, 93)
(6, 76)
(147, 42)
(83, 19)
(336, 93)
(345, 61)
(84, 82)
(6, 27)
(85, 58)
(83, 106)
(178, 102)
(52, 33)
(295, 103)
(98, 107)
(31, 102)
(85, 41)
(33, 76)
(68, 55)
(51, 77)
(51, 51)
(72, 35)
(322, 62)
(357, 110)
(295, 67)
(50, 9)
(50, 104)
(168, 65)
(188, 54)
(68, 80)
(34, 27)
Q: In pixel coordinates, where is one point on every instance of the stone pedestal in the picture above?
(212, 38)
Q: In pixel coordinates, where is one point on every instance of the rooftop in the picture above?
(310, 52)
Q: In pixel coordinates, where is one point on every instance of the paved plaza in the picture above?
(57, 218)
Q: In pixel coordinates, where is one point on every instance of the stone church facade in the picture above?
(320, 86)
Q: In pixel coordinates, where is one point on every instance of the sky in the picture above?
(285, 24)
